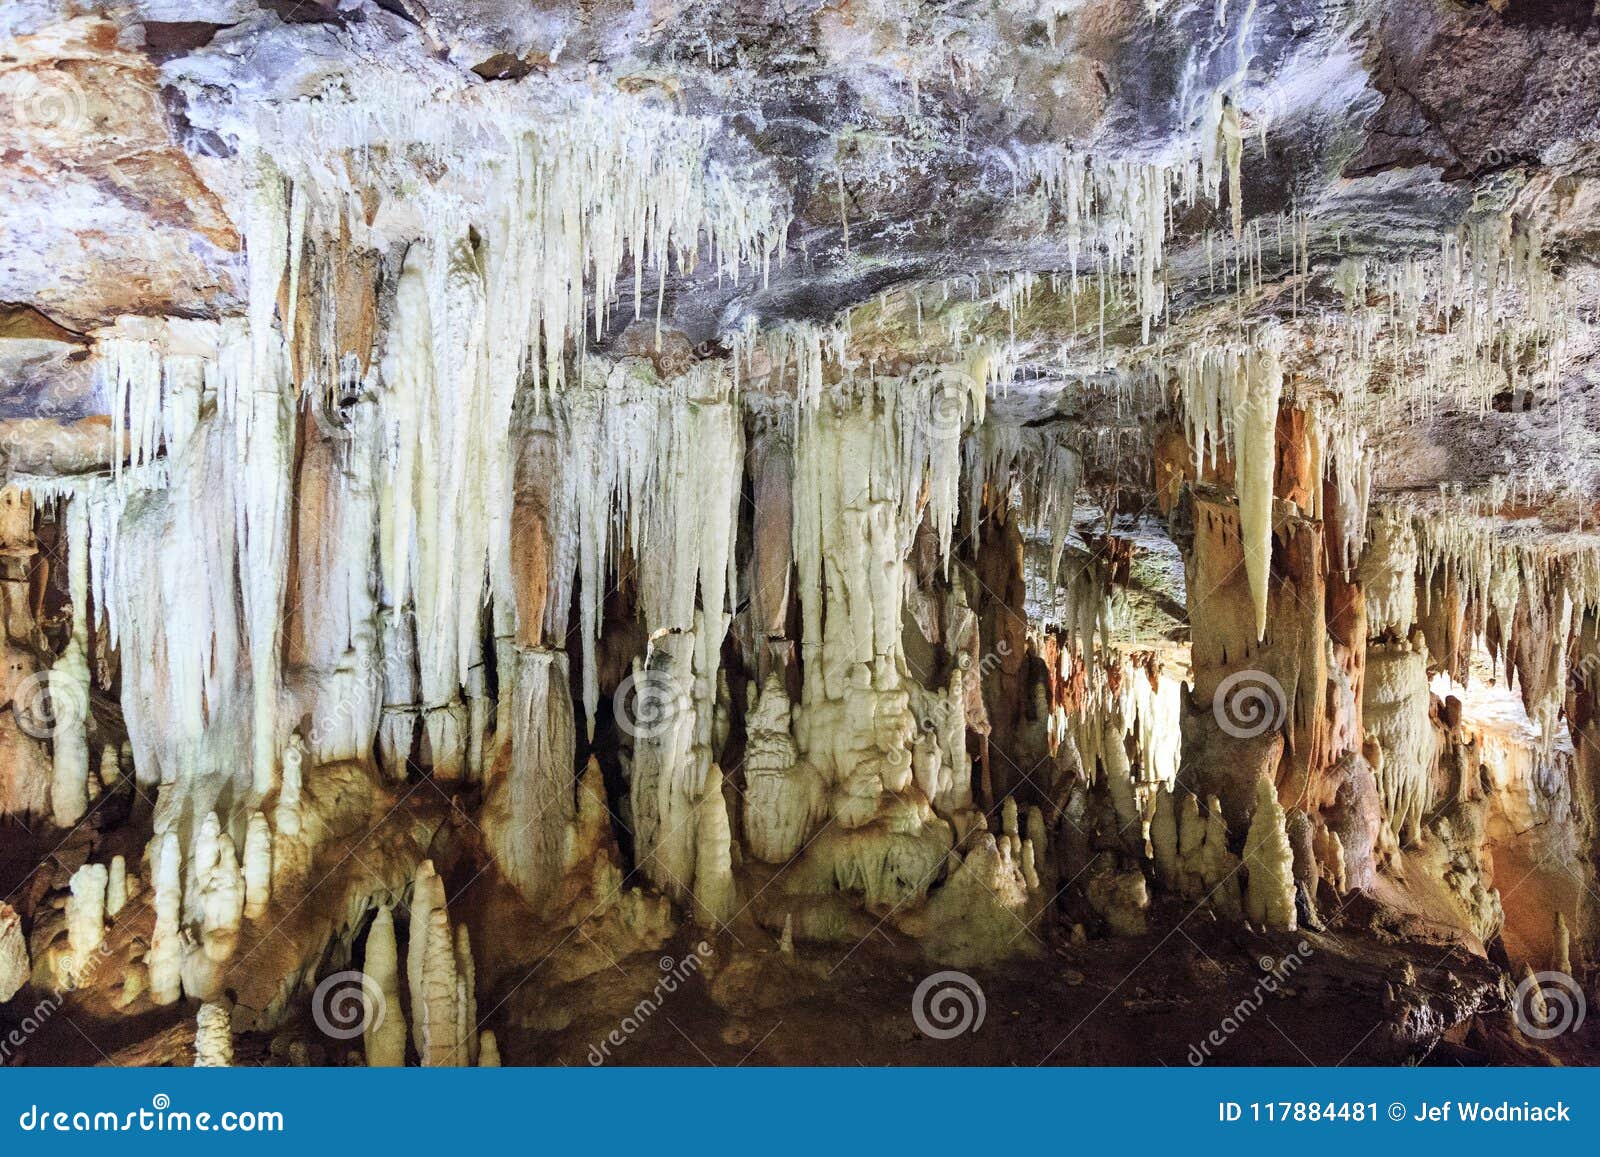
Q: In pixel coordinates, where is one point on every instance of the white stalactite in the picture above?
(69, 683)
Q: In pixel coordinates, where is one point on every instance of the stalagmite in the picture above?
(431, 971)
(14, 964)
(1538, 1006)
(1298, 829)
(116, 886)
(213, 1037)
(438, 1020)
(530, 793)
(1164, 837)
(257, 867)
(290, 859)
(1330, 860)
(783, 797)
(1121, 898)
(165, 957)
(1395, 710)
(221, 901)
(466, 999)
(488, 1050)
(69, 683)
(86, 915)
(384, 1034)
(1269, 860)
(948, 563)
(716, 898)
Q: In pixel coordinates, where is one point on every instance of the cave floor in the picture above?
(1346, 998)
(1148, 1000)
(1363, 991)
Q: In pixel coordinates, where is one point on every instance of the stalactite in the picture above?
(69, 683)
(1389, 575)
(1230, 395)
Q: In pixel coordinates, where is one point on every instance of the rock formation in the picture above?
(506, 506)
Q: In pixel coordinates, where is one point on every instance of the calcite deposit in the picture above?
(535, 532)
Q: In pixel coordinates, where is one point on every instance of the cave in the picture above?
(828, 533)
